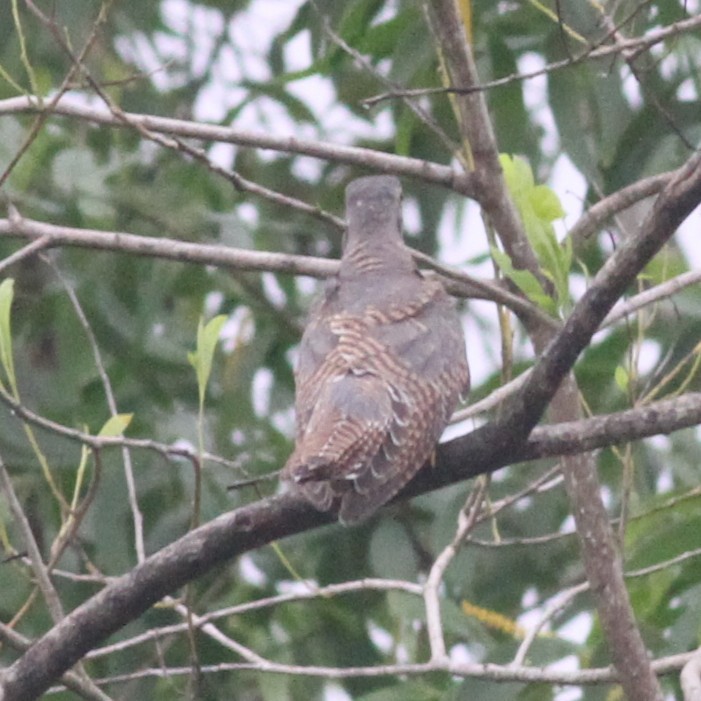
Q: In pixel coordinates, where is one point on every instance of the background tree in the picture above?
(167, 162)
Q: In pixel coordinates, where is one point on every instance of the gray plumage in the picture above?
(381, 365)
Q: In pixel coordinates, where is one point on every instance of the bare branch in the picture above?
(654, 294)
(602, 563)
(363, 157)
(690, 678)
(466, 522)
(457, 282)
(488, 671)
(478, 136)
(25, 252)
(610, 429)
(311, 592)
(616, 202)
(170, 249)
(557, 604)
(239, 531)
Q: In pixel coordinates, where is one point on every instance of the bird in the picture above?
(380, 368)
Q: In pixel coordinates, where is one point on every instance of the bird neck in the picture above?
(383, 255)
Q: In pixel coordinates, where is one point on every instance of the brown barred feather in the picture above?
(381, 366)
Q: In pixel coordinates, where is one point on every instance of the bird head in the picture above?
(373, 210)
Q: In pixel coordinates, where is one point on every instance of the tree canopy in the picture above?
(172, 178)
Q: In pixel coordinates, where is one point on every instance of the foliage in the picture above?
(284, 69)
(538, 206)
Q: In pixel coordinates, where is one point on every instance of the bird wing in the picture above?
(347, 427)
(374, 392)
(424, 361)
(316, 365)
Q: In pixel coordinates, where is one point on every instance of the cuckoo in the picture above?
(381, 365)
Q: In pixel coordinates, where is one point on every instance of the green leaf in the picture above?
(539, 206)
(6, 297)
(546, 203)
(116, 425)
(201, 358)
(622, 378)
(525, 281)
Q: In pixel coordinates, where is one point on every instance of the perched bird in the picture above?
(381, 365)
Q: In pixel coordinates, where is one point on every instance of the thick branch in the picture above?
(257, 524)
(602, 562)
(478, 135)
(45, 236)
(475, 453)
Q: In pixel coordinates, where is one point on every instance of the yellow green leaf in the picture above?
(116, 425)
(622, 378)
(525, 281)
(539, 206)
(201, 358)
(6, 297)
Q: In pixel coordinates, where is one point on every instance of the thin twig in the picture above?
(137, 516)
(636, 45)
(100, 442)
(25, 252)
(557, 604)
(418, 111)
(466, 521)
(492, 672)
(41, 572)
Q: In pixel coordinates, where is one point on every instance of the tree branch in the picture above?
(488, 671)
(616, 202)
(257, 524)
(45, 236)
(551, 381)
(478, 136)
(690, 678)
(71, 680)
(363, 157)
